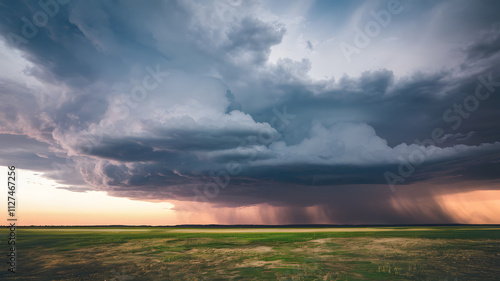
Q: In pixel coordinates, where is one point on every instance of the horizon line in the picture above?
(261, 225)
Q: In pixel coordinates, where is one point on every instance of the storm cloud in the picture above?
(223, 102)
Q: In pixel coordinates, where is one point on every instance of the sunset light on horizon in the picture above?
(44, 202)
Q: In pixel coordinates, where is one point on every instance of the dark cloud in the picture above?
(486, 46)
(251, 39)
(309, 45)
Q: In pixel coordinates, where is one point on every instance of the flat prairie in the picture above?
(154, 253)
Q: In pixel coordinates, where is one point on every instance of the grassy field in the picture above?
(384, 253)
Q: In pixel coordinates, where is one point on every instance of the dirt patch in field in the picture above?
(259, 249)
(95, 230)
(259, 263)
(321, 241)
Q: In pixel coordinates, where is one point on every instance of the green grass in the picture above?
(396, 253)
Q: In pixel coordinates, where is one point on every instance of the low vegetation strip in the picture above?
(398, 253)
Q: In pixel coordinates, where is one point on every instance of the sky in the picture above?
(251, 112)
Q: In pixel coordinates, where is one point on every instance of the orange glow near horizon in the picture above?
(475, 207)
(41, 202)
